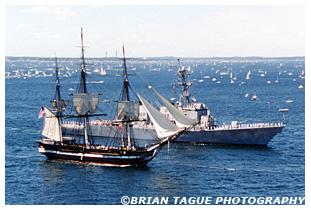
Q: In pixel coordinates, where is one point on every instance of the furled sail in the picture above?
(85, 102)
(182, 121)
(128, 109)
(59, 106)
(51, 127)
(164, 127)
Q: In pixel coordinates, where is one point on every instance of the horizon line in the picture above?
(148, 57)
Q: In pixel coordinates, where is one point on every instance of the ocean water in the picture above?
(180, 170)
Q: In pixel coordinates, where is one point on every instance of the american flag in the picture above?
(41, 113)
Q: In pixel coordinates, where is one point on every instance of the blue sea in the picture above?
(179, 170)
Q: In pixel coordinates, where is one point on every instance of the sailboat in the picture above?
(234, 78)
(300, 86)
(122, 150)
(301, 77)
(102, 71)
(277, 78)
(248, 74)
(201, 80)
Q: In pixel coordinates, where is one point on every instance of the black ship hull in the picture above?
(94, 154)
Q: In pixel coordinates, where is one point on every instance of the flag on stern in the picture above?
(41, 113)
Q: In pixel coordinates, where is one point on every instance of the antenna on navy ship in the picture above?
(185, 86)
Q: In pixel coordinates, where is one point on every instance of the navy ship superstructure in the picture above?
(207, 131)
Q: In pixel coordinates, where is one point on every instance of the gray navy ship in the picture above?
(206, 130)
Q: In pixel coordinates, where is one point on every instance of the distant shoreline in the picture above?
(170, 58)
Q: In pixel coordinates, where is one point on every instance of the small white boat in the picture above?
(277, 78)
(96, 70)
(300, 86)
(283, 110)
(254, 97)
(234, 78)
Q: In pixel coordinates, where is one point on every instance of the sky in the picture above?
(154, 31)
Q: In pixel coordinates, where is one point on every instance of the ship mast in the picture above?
(185, 87)
(84, 103)
(86, 142)
(126, 97)
(83, 65)
(57, 82)
(58, 104)
(125, 93)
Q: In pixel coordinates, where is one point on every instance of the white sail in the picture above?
(247, 76)
(164, 127)
(102, 71)
(182, 121)
(51, 127)
(85, 102)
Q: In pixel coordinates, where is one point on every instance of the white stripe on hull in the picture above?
(109, 160)
(91, 155)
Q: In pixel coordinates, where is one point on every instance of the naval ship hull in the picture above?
(247, 136)
(241, 136)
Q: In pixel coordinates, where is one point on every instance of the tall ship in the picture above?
(120, 147)
(206, 130)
